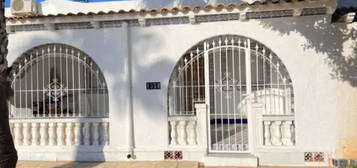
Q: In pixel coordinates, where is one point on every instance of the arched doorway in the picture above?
(229, 73)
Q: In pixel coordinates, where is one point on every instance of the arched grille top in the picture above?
(187, 81)
(57, 80)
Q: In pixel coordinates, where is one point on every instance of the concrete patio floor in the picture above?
(132, 164)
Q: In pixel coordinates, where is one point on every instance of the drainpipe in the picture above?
(127, 52)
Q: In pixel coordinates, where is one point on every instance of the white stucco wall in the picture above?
(304, 44)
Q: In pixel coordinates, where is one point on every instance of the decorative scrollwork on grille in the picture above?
(55, 90)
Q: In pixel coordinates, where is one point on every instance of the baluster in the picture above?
(18, 134)
(69, 134)
(267, 135)
(288, 101)
(181, 129)
(77, 133)
(86, 133)
(26, 132)
(12, 130)
(286, 133)
(275, 133)
(173, 133)
(95, 133)
(191, 132)
(43, 134)
(105, 133)
(60, 134)
(52, 134)
(34, 134)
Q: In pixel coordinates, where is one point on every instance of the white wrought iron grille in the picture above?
(56, 80)
(187, 86)
(241, 71)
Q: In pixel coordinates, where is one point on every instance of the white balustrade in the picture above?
(278, 131)
(183, 130)
(60, 132)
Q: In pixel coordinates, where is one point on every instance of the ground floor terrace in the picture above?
(228, 96)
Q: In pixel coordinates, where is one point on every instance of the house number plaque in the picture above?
(153, 85)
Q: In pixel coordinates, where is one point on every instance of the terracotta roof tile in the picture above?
(174, 10)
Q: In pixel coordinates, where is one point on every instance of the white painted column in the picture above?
(127, 55)
(251, 116)
(201, 110)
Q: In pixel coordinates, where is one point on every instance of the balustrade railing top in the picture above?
(60, 132)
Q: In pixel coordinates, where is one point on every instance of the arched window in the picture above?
(225, 72)
(57, 80)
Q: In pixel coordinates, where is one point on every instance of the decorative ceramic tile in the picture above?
(314, 157)
(319, 157)
(173, 155)
(308, 157)
(178, 155)
(168, 155)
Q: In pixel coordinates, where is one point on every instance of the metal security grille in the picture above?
(56, 80)
(234, 72)
(187, 84)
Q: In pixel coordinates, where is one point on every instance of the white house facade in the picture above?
(222, 83)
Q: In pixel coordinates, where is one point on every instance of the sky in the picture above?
(7, 2)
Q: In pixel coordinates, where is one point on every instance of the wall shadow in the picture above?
(335, 40)
(158, 70)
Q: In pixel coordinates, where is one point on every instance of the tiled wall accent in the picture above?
(173, 155)
(314, 157)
